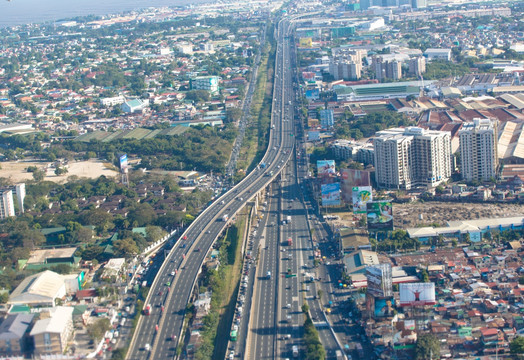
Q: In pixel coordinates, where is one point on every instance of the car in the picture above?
(160, 293)
(127, 309)
(197, 249)
(147, 347)
(168, 283)
(172, 273)
(231, 355)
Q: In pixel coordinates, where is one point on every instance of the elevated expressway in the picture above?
(168, 302)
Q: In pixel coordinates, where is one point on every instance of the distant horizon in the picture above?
(25, 12)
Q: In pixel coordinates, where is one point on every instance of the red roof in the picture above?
(88, 293)
(488, 332)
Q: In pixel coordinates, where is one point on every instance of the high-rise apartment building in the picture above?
(478, 150)
(387, 69)
(405, 158)
(417, 66)
(345, 70)
(419, 4)
(7, 206)
(346, 63)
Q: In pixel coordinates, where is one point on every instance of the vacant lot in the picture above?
(429, 213)
(413, 214)
(16, 171)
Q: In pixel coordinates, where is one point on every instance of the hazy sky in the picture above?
(28, 11)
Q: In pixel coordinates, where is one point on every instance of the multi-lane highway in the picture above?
(157, 334)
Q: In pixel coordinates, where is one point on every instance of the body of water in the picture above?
(18, 12)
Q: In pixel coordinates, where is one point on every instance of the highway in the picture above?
(172, 288)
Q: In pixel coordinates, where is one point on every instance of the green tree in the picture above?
(424, 275)
(38, 175)
(97, 329)
(516, 346)
(427, 347)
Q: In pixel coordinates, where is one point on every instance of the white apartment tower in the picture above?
(478, 150)
(7, 206)
(405, 158)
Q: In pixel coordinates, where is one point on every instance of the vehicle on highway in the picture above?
(269, 274)
(295, 351)
(168, 283)
(172, 273)
(147, 310)
(147, 347)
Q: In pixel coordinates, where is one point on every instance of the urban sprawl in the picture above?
(388, 139)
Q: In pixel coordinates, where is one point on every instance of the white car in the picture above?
(172, 273)
(147, 347)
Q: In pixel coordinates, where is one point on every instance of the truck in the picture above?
(147, 310)
(269, 274)
(290, 242)
(295, 351)
(225, 217)
(290, 274)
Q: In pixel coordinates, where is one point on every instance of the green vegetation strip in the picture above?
(257, 137)
(224, 286)
(314, 348)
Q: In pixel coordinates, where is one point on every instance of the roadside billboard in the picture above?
(325, 167)
(417, 294)
(313, 135)
(123, 162)
(330, 194)
(380, 281)
(361, 196)
(379, 215)
(384, 307)
(352, 178)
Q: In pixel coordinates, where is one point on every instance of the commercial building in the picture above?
(7, 206)
(52, 332)
(438, 54)
(112, 101)
(478, 150)
(327, 118)
(135, 105)
(405, 158)
(209, 83)
(41, 289)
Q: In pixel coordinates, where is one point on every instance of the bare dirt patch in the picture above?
(426, 213)
(16, 171)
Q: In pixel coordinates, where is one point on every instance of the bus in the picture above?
(234, 335)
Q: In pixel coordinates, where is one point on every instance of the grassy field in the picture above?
(257, 133)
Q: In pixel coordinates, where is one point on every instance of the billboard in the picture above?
(384, 307)
(380, 215)
(306, 42)
(361, 196)
(330, 194)
(325, 167)
(352, 178)
(417, 294)
(380, 280)
(123, 162)
(313, 135)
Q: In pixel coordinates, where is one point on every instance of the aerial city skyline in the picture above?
(261, 180)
